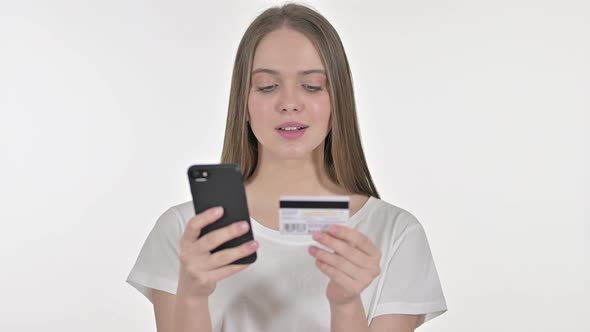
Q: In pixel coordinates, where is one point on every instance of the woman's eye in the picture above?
(267, 88)
(312, 88)
(270, 88)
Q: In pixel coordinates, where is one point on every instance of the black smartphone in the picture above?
(222, 185)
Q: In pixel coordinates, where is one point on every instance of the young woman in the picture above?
(292, 127)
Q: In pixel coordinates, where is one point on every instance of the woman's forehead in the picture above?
(274, 72)
(286, 50)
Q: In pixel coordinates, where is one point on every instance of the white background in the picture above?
(473, 115)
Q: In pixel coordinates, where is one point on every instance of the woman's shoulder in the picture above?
(172, 220)
(390, 215)
(183, 211)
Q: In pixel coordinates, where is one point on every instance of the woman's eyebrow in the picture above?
(312, 71)
(301, 72)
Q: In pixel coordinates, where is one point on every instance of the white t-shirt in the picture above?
(284, 290)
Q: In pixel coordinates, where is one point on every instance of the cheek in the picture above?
(321, 108)
(259, 105)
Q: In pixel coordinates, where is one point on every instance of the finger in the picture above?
(355, 255)
(227, 256)
(226, 271)
(219, 236)
(353, 271)
(196, 223)
(354, 238)
(339, 277)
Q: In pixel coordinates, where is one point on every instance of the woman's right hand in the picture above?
(199, 269)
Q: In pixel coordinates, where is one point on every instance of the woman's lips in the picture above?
(291, 134)
(291, 124)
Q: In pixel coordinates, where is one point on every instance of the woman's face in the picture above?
(288, 84)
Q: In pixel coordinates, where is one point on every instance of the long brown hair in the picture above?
(344, 158)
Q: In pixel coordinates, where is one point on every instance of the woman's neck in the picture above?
(304, 176)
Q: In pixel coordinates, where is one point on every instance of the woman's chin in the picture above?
(292, 153)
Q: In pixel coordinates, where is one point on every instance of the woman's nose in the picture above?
(290, 100)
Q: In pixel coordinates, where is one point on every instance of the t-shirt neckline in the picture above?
(275, 235)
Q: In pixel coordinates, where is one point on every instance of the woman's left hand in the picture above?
(354, 264)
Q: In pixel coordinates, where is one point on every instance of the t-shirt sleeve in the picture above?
(158, 263)
(411, 283)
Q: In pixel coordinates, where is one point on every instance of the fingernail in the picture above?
(317, 235)
(216, 212)
(243, 225)
(253, 245)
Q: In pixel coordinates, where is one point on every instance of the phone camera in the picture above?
(200, 174)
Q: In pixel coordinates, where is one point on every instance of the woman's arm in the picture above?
(348, 317)
(394, 323)
(352, 318)
(163, 310)
(199, 273)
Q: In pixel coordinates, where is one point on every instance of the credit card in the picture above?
(299, 215)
